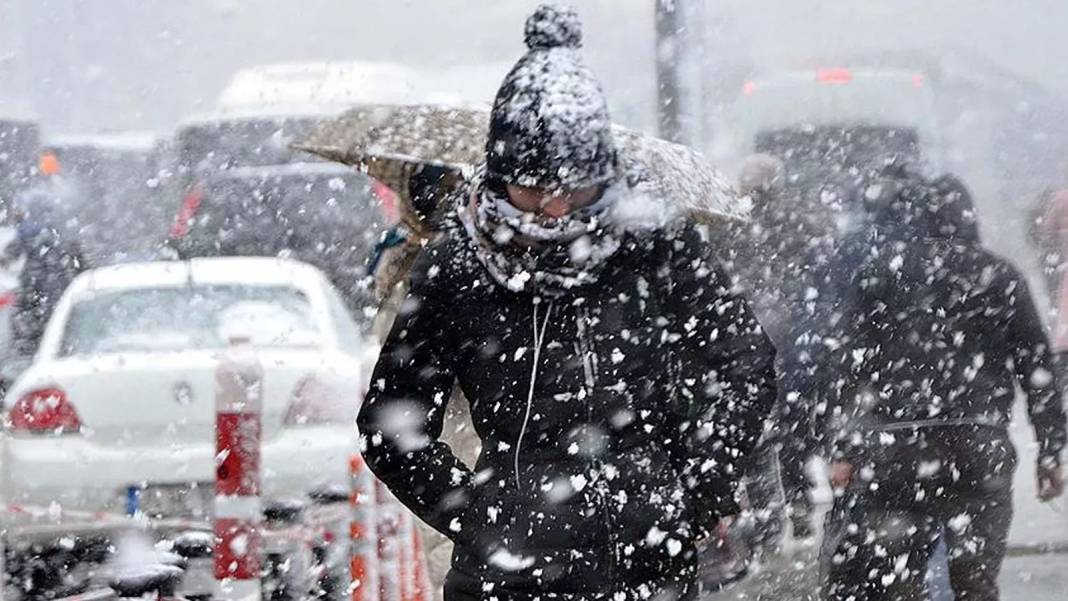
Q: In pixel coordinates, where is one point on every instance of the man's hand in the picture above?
(722, 527)
(841, 474)
(1050, 481)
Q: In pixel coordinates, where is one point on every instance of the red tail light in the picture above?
(834, 75)
(314, 403)
(44, 411)
(190, 203)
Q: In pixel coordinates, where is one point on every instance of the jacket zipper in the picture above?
(603, 494)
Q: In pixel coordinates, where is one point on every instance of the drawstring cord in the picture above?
(589, 358)
(539, 338)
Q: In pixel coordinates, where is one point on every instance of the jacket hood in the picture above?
(938, 209)
(954, 214)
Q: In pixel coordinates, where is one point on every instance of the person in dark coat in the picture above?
(52, 260)
(938, 334)
(781, 257)
(614, 378)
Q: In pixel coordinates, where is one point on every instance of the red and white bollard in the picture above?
(414, 579)
(406, 555)
(390, 553)
(238, 511)
(420, 571)
(363, 532)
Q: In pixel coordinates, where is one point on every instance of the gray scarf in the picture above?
(524, 252)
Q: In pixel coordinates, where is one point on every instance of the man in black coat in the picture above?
(938, 333)
(52, 260)
(615, 379)
(781, 256)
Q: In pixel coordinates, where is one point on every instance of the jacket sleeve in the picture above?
(726, 378)
(1037, 373)
(401, 420)
(844, 347)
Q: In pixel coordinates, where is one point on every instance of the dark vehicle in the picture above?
(211, 144)
(19, 147)
(320, 213)
(119, 210)
(833, 127)
(205, 146)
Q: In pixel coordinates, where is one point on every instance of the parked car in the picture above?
(120, 398)
(321, 213)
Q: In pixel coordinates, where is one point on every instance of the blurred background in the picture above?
(170, 123)
(993, 69)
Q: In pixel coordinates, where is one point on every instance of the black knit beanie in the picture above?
(550, 127)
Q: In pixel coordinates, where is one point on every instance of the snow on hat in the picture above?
(550, 127)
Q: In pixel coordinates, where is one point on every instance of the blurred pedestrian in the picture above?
(1047, 242)
(615, 379)
(1050, 234)
(781, 257)
(937, 334)
(52, 258)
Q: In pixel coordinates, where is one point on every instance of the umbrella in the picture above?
(390, 142)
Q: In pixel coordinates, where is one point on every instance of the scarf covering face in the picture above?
(527, 252)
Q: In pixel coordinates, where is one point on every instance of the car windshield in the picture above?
(194, 317)
(310, 214)
(233, 143)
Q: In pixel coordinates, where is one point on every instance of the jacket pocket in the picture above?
(472, 526)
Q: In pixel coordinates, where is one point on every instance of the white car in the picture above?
(117, 410)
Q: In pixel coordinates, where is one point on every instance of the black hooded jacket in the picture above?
(612, 419)
(52, 261)
(936, 330)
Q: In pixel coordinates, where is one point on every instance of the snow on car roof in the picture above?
(325, 88)
(299, 90)
(129, 140)
(337, 84)
(279, 114)
(286, 170)
(254, 271)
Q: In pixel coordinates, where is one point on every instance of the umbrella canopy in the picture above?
(390, 143)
